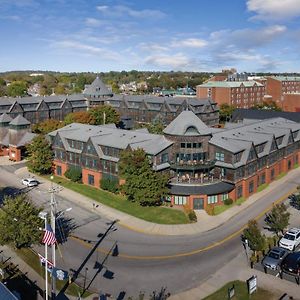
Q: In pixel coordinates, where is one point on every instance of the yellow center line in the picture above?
(196, 251)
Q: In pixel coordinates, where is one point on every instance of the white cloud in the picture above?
(102, 8)
(189, 43)
(93, 22)
(122, 10)
(86, 49)
(246, 38)
(176, 61)
(274, 9)
(152, 47)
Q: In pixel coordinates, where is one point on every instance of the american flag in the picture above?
(49, 236)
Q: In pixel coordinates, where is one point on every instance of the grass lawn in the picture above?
(262, 187)
(241, 293)
(221, 208)
(282, 174)
(28, 256)
(159, 215)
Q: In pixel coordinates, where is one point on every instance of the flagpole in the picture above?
(46, 262)
(53, 213)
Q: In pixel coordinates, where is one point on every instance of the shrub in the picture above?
(210, 209)
(109, 184)
(228, 201)
(192, 216)
(74, 174)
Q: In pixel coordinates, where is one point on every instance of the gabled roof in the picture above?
(5, 118)
(19, 120)
(97, 88)
(187, 123)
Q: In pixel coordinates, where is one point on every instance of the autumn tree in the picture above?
(19, 222)
(105, 114)
(47, 126)
(142, 183)
(84, 117)
(40, 156)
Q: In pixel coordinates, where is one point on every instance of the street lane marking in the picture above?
(193, 252)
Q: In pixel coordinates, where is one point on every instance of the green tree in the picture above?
(106, 112)
(278, 218)
(142, 183)
(40, 156)
(47, 126)
(17, 88)
(257, 241)
(226, 111)
(19, 222)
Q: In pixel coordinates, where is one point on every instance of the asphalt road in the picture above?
(144, 262)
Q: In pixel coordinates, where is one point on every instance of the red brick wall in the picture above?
(291, 102)
(273, 88)
(63, 166)
(14, 153)
(97, 177)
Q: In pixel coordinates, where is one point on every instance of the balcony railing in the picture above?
(193, 164)
(194, 180)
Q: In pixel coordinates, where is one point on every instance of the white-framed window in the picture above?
(220, 156)
(180, 200)
(224, 196)
(212, 199)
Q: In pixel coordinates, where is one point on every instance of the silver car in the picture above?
(274, 257)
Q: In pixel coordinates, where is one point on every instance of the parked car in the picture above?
(274, 258)
(30, 182)
(291, 239)
(291, 264)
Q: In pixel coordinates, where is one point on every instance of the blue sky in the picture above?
(191, 35)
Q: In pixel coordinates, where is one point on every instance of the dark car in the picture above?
(291, 264)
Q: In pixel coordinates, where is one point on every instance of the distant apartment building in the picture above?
(132, 108)
(285, 91)
(241, 94)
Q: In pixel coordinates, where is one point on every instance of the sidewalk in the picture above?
(204, 223)
(237, 269)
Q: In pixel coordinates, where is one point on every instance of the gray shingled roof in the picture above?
(97, 88)
(187, 123)
(19, 120)
(261, 114)
(26, 139)
(109, 135)
(5, 118)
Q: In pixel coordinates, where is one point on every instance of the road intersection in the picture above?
(148, 262)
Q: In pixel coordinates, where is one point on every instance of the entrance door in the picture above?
(198, 203)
